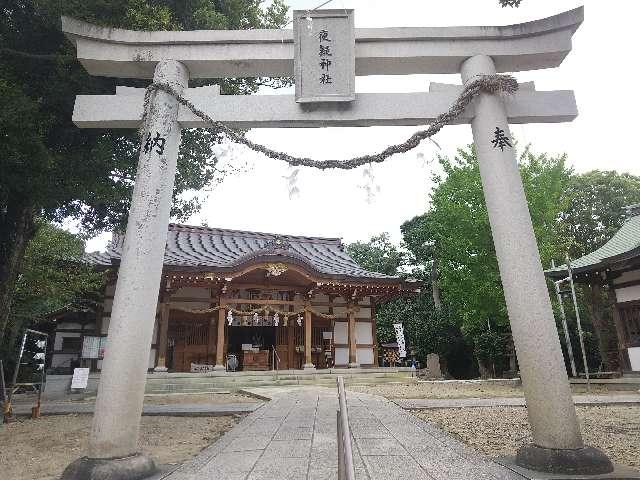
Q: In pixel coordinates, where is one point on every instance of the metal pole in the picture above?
(3, 396)
(340, 448)
(575, 306)
(7, 409)
(563, 316)
(15, 370)
(345, 432)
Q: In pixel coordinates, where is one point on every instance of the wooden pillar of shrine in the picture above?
(161, 364)
(220, 341)
(308, 365)
(353, 363)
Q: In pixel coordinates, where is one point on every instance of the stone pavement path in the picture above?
(294, 437)
(424, 403)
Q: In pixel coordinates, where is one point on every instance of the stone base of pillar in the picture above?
(579, 461)
(135, 467)
(219, 368)
(308, 366)
(161, 369)
(354, 365)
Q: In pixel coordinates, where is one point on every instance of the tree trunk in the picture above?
(17, 227)
(604, 327)
(435, 289)
(444, 367)
(485, 371)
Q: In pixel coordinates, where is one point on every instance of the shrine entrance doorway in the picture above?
(191, 339)
(253, 346)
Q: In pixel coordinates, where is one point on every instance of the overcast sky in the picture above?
(600, 69)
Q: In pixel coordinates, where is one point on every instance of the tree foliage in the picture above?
(456, 230)
(378, 255)
(594, 210)
(52, 276)
(570, 212)
(427, 330)
(49, 168)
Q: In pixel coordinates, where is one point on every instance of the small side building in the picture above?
(615, 269)
(266, 300)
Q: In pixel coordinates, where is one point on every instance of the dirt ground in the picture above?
(462, 390)
(211, 398)
(499, 431)
(41, 449)
(156, 399)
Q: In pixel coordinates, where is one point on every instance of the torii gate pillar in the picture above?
(113, 444)
(557, 442)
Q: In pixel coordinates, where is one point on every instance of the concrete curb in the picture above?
(580, 400)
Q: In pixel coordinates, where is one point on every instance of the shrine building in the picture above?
(613, 271)
(239, 300)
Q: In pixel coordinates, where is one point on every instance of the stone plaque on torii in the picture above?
(325, 97)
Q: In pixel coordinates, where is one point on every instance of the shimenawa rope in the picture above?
(484, 83)
(267, 310)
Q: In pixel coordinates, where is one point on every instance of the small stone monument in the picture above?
(433, 367)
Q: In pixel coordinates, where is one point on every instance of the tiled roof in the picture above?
(221, 250)
(623, 245)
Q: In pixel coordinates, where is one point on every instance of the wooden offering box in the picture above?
(255, 360)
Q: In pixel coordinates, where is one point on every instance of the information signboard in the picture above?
(93, 347)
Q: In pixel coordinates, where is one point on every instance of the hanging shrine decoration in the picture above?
(261, 316)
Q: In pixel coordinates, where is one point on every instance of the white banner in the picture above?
(400, 339)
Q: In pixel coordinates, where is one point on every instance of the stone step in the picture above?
(293, 379)
(161, 383)
(212, 386)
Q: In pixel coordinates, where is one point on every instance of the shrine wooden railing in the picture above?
(345, 451)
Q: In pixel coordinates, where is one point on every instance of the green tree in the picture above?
(52, 276)
(594, 211)
(456, 231)
(49, 168)
(378, 255)
(427, 329)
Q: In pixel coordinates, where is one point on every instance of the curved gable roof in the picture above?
(624, 244)
(222, 250)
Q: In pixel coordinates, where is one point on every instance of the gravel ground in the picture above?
(500, 431)
(41, 449)
(460, 390)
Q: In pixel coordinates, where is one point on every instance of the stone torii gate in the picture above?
(175, 57)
